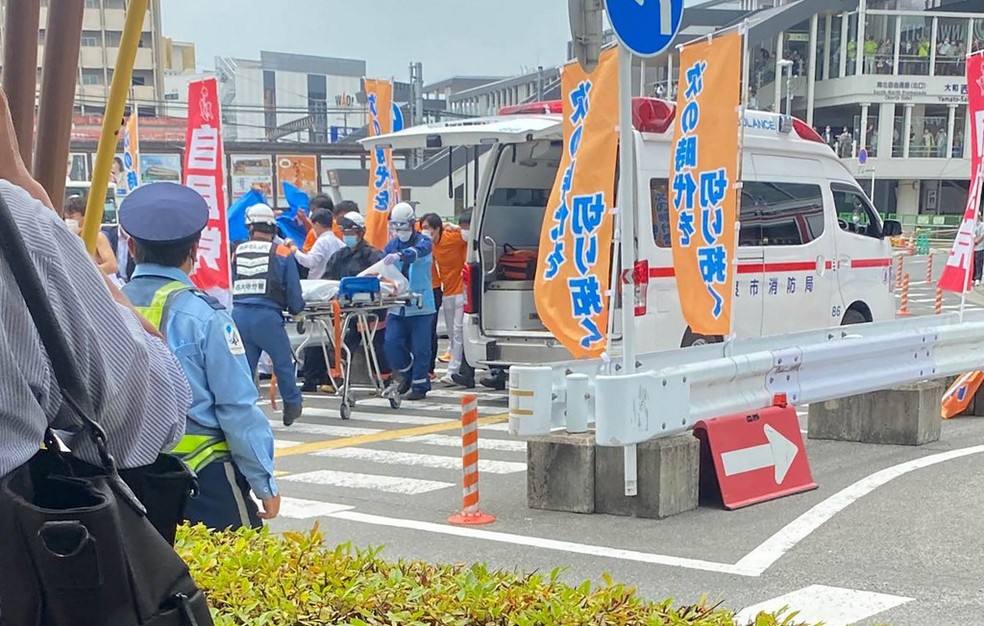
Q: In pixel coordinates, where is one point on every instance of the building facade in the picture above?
(102, 29)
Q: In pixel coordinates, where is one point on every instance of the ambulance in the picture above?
(799, 266)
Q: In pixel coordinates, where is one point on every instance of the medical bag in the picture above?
(516, 264)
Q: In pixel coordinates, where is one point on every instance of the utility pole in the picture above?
(20, 63)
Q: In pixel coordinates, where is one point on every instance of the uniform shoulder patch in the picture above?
(233, 340)
(212, 301)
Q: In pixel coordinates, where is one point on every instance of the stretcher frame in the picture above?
(366, 314)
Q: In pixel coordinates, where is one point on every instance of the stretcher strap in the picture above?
(336, 310)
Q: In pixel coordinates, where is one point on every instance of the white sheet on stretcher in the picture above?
(318, 291)
(392, 282)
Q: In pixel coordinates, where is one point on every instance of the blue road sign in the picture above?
(862, 156)
(646, 27)
(397, 119)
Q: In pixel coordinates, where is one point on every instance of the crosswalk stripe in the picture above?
(382, 418)
(284, 443)
(484, 443)
(502, 427)
(390, 484)
(322, 430)
(298, 508)
(834, 606)
(414, 459)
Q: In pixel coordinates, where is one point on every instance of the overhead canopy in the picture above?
(470, 132)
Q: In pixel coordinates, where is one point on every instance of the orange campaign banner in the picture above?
(384, 186)
(703, 173)
(575, 240)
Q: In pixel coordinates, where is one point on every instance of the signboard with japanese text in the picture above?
(298, 170)
(203, 173)
(251, 171)
(384, 186)
(131, 153)
(703, 173)
(575, 240)
(160, 168)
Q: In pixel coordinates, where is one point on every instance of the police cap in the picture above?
(163, 213)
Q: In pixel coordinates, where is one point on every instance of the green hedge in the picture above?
(258, 578)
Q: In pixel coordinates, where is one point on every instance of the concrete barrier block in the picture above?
(906, 415)
(560, 472)
(668, 473)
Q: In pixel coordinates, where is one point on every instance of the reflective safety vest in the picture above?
(195, 450)
(256, 273)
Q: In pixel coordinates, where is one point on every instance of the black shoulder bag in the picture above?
(78, 546)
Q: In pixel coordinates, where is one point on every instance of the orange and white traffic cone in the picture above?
(939, 300)
(904, 304)
(470, 514)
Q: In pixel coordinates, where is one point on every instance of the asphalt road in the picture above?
(892, 535)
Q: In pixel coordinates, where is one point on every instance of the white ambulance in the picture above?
(799, 266)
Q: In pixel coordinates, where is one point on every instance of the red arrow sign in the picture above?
(755, 456)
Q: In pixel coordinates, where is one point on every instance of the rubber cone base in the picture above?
(471, 519)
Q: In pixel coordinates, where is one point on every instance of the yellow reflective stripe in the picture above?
(154, 312)
(197, 451)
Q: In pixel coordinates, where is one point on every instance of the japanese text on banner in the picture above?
(384, 186)
(575, 239)
(703, 166)
(203, 172)
(131, 153)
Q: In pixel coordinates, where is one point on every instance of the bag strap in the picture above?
(63, 362)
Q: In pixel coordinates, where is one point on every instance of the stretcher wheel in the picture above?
(345, 410)
(395, 402)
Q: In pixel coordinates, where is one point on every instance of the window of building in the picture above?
(92, 77)
(836, 35)
(89, 4)
(915, 45)
(852, 45)
(115, 4)
(780, 214)
(978, 35)
(113, 38)
(879, 44)
(951, 46)
(854, 212)
(91, 38)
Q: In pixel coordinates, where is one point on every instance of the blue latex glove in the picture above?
(392, 258)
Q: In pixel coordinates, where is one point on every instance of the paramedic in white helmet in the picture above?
(408, 329)
(265, 283)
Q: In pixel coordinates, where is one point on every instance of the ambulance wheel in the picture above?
(853, 316)
(395, 402)
(345, 410)
(690, 338)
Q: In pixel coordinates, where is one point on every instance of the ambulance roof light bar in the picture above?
(649, 115)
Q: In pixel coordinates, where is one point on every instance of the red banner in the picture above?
(975, 107)
(203, 173)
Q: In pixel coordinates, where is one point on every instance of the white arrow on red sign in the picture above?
(779, 452)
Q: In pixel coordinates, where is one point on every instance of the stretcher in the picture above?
(358, 300)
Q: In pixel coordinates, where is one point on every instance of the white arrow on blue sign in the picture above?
(862, 156)
(645, 27)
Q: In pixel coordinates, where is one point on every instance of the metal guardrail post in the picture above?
(577, 403)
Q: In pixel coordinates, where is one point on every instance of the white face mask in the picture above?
(465, 234)
(73, 225)
(404, 235)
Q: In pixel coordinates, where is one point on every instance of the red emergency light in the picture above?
(805, 131)
(649, 115)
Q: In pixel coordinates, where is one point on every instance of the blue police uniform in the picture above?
(228, 439)
(408, 329)
(266, 282)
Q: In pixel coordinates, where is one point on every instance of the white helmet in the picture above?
(260, 214)
(356, 218)
(401, 214)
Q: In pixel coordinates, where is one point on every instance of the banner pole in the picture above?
(626, 202)
(743, 31)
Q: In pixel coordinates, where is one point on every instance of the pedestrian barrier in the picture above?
(898, 272)
(273, 392)
(929, 269)
(904, 302)
(754, 457)
(939, 300)
(470, 513)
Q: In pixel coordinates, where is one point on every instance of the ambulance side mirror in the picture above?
(891, 228)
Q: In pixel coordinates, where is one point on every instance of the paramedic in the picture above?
(356, 257)
(466, 373)
(265, 283)
(227, 440)
(408, 328)
(449, 260)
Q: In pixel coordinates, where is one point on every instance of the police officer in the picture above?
(228, 441)
(408, 328)
(265, 282)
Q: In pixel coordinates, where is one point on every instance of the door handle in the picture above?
(495, 262)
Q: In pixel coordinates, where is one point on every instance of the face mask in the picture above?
(404, 235)
(350, 240)
(465, 234)
(427, 233)
(73, 225)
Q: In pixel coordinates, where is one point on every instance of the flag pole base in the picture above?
(476, 518)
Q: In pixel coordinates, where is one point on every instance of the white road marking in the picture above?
(775, 547)
(382, 418)
(484, 443)
(353, 480)
(297, 508)
(420, 460)
(501, 427)
(833, 606)
(540, 542)
(322, 430)
(283, 443)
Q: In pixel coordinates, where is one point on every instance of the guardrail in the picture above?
(672, 390)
